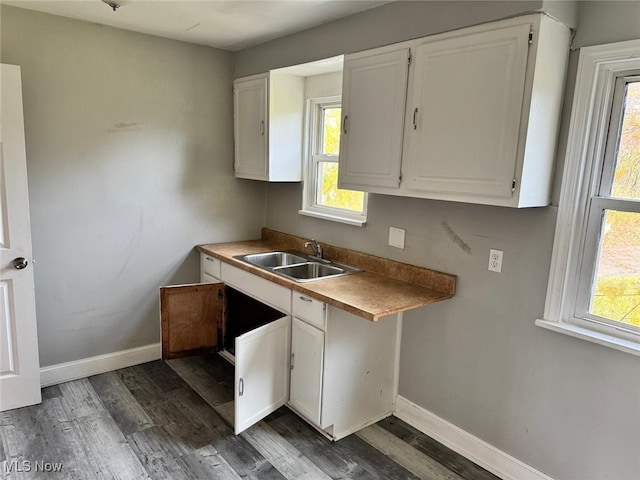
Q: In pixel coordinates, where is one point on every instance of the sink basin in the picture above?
(309, 271)
(274, 259)
(296, 266)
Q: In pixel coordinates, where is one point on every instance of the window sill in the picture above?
(603, 339)
(333, 218)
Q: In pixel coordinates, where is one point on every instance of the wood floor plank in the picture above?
(60, 431)
(410, 458)
(147, 422)
(201, 381)
(120, 403)
(111, 456)
(434, 449)
(207, 463)
(37, 434)
(279, 452)
(80, 399)
(190, 423)
(50, 392)
(336, 459)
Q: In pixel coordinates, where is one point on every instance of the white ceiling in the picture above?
(227, 24)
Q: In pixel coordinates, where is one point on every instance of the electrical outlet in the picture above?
(396, 237)
(495, 260)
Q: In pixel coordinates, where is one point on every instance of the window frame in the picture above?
(312, 159)
(588, 165)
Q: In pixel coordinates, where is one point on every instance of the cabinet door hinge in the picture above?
(221, 293)
(530, 38)
(513, 185)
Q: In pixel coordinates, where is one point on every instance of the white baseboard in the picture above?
(65, 372)
(478, 451)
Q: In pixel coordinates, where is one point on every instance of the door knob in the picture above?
(20, 263)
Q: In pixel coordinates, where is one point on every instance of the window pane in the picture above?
(329, 195)
(626, 182)
(616, 294)
(331, 131)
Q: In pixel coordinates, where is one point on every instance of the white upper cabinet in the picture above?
(481, 118)
(268, 122)
(466, 106)
(372, 118)
(250, 127)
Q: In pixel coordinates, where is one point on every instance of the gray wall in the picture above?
(130, 152)
(567, 407)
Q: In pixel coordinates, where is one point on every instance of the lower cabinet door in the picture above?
(307, 358)
(191, 318)
(263, 364)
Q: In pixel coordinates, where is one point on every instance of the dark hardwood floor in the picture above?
(170, 421)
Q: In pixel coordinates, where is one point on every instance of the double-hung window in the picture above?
(594, 285)
(321, 197)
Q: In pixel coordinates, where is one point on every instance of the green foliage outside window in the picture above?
(329, 194)
(617, 286)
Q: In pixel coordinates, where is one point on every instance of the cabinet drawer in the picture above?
(310, 310)
(209, 266)
(206, 278)
(268, 292)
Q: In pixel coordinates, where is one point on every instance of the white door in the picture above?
(307, 356)
(262, 372)
(251, 127)
(19, 362)
(465, 109)
(374, 89)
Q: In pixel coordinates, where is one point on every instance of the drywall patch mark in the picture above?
(124, 127)
(455, 238)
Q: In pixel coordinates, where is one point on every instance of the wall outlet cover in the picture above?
(396, 237)
(495, 260)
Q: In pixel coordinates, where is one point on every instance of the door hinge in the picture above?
(513, 185)
(221, 293)
(400, 177)
(530, 38)
(409, 58)
(292, 358)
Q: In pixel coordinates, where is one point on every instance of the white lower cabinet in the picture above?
(336, 370)
(344, 374)
(307, 359)
(247, 319)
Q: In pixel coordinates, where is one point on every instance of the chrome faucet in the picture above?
(316, 247)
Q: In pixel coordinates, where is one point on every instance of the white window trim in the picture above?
(598, 68)
(309, 206)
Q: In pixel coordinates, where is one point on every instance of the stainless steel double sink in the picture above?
(297, 266)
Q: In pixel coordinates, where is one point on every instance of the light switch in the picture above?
(396, 237)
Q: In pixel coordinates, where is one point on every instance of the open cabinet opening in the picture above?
(244, 314)
(213, 317)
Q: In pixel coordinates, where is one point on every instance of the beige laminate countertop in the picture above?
(367, 294)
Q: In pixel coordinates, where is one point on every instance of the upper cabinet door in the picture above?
(373, 105)
(262, 372)
(464, 113)
(251, 127)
